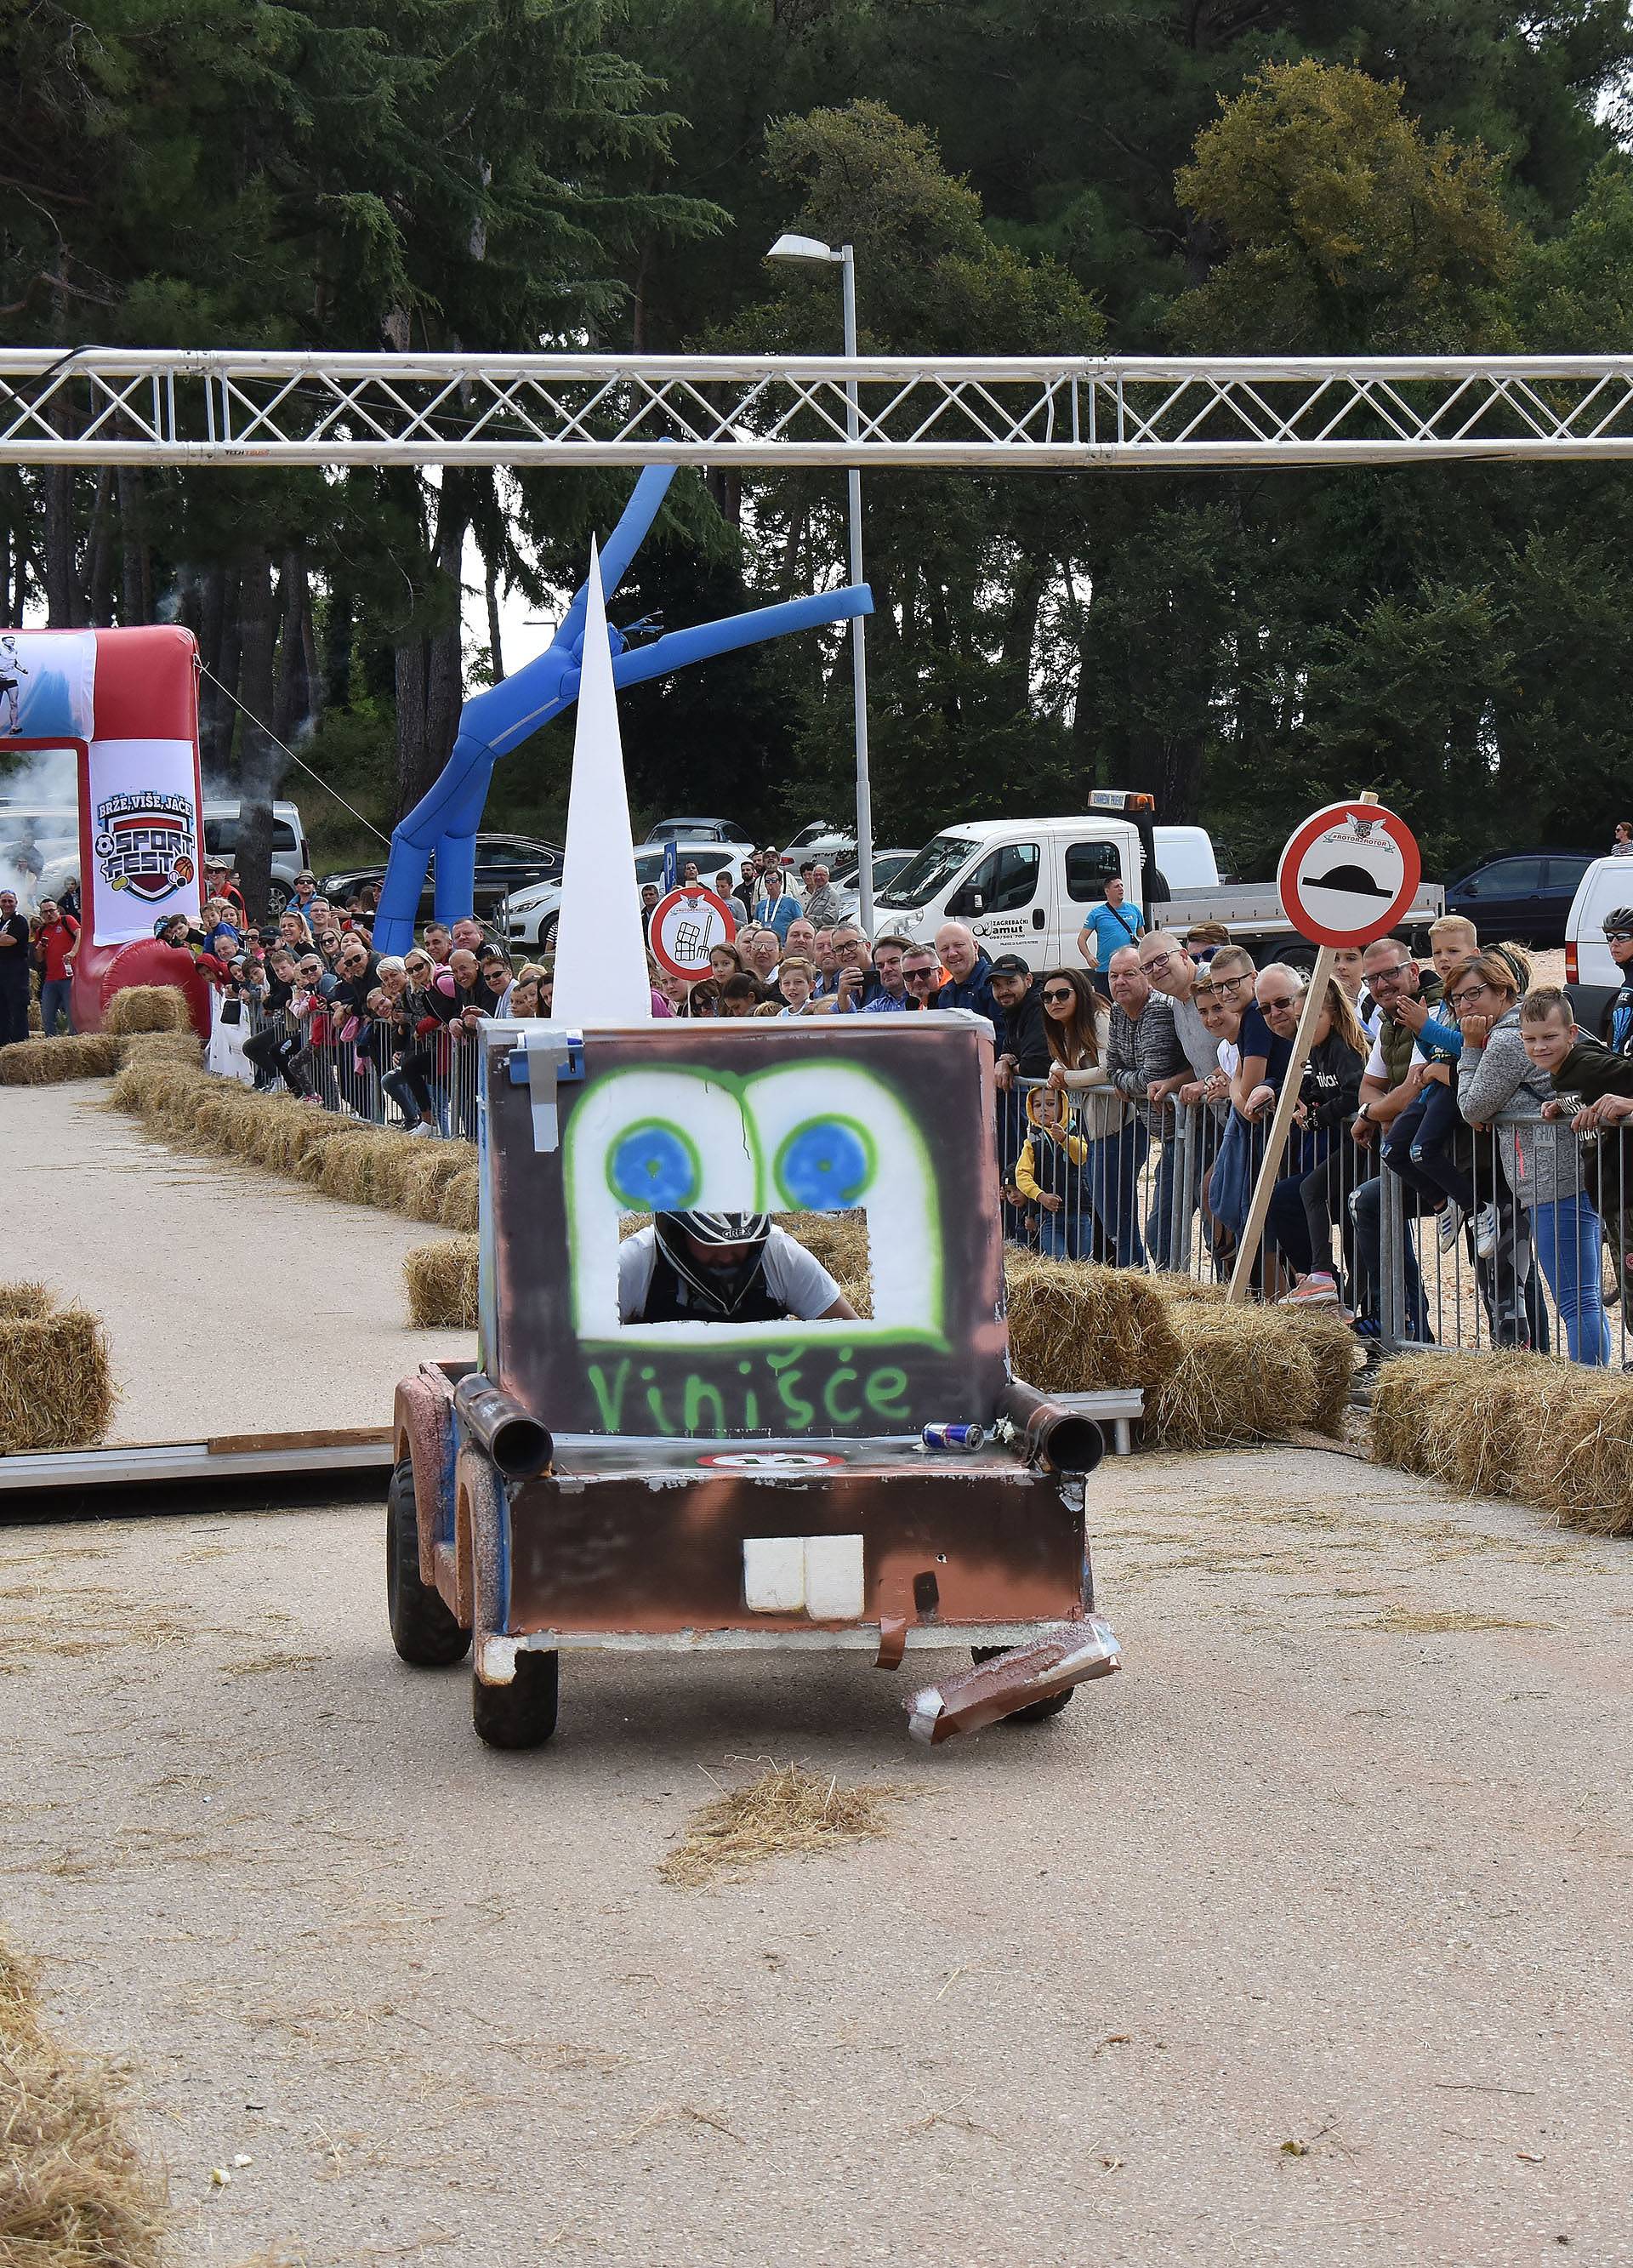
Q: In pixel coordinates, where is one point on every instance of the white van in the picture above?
(1023, 886)
(1185, 856)
(1593, 978)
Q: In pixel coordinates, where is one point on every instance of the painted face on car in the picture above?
(816, 1137)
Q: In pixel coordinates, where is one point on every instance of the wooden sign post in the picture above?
(1346, 876)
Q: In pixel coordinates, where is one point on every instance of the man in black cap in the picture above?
(1023, 1048)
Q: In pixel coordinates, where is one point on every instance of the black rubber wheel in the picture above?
(422, 1625)
(521, 1714)
(1039, 1710)
(548, 928)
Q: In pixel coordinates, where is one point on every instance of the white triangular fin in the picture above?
(601, 948)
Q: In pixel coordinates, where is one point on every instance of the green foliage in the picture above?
(1320, 176)
(1348, 230)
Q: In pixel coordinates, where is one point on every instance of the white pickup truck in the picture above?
(1025, 886)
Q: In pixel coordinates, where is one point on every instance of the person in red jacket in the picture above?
(56, 941)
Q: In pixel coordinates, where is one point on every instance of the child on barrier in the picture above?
(1496, 1074)
(1048, 1172)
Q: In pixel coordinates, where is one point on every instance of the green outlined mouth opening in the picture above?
(823, 1138)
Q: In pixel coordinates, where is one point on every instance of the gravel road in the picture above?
(1306, 1940)
(237, 1301)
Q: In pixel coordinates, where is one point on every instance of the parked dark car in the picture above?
(1523, 895)
(503, 862)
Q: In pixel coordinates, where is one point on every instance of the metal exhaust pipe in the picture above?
(1063, 1439)
(521, 1448)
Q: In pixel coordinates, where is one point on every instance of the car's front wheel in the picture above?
(521, 1714)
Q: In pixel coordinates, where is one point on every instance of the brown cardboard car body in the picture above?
(689, 1485)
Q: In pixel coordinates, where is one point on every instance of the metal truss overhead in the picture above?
(103, 406)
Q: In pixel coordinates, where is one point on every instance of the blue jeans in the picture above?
(1568, 1236)
(1061, 1235)
(1418, 1148)
(54, 993)
(1109, 1182)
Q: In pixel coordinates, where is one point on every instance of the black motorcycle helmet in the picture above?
(742, 1236)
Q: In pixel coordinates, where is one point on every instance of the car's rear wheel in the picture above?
(546, 932)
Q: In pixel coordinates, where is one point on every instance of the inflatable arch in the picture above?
(126, 701)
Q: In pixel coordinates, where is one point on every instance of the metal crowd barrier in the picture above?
(1546, 1269)
(1427, 1242)
(1169, 1188)
(310, 1056)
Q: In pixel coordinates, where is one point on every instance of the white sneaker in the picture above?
(420, 1127)
(1316, 1290)
(1485, 1231)
(1451, 1223)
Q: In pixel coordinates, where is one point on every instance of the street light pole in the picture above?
(807, 248)
(858, 634)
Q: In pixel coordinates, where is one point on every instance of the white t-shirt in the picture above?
(793, 1276)
(1230, 1056)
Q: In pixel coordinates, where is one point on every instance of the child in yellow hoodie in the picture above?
(1049, 1174)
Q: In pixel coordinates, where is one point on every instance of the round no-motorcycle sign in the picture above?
(685, 928)
(1349, 873)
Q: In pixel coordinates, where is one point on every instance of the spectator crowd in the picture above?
(1135, 1090)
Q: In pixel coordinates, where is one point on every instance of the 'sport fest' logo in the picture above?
(145, 844)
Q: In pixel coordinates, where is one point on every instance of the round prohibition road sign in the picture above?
(770, 1460)
(686, 926)
(1349, 873)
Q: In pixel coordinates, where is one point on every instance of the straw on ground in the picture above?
(788, 1808)
(75, 2192)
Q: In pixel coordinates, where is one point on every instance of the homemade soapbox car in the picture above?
(692, 1486)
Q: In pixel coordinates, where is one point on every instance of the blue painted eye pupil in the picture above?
(654, 1167)
(824, 1166)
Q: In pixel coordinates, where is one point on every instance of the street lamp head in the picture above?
(803, 247)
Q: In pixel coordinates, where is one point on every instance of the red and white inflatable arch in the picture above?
(127, 701)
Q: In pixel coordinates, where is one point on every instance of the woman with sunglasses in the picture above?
(1077, 1024)
(1495, 1073)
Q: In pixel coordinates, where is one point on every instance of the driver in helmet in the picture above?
(722, 1268)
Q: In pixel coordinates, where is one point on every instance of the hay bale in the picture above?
(1075, 1327)
(1582, 1464)
(1548, 1433)
(441, 1279)
(461, 1201)
(56, 1382)
(1457, 1418)
(425, 1172)
(147, 1008)
(1334, 1354)
(838, 1240)
(160, 1047)
(76, 2192)
(1241, 1376)
(26, 1302)
(44, 1063)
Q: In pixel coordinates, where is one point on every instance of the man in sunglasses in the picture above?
(1619, 937)
(920, 973)
(1168, 967)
